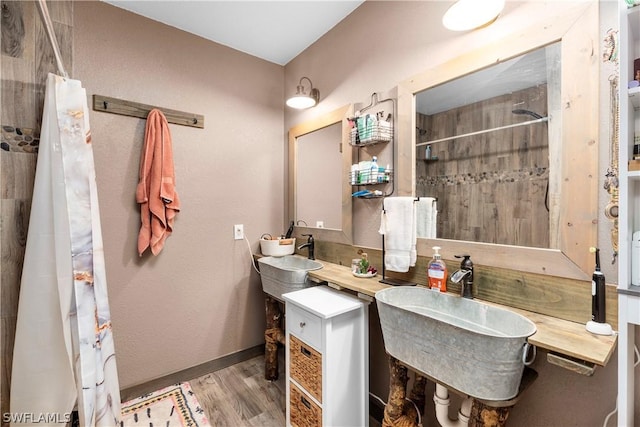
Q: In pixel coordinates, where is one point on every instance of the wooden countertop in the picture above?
(558, 336)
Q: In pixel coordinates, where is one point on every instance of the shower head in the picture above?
(527, 112)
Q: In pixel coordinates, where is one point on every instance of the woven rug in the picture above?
(173, 406)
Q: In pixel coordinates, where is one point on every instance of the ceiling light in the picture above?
(301, 100)
(466, 15)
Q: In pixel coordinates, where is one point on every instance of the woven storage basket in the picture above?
(306, 367)
(304, 412)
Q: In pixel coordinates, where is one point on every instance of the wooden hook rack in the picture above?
(135, 109)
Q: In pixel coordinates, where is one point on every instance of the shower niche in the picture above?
(483, 144)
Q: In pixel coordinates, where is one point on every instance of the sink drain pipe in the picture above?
(442, 401)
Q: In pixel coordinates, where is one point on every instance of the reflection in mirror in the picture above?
(483, 147)
(319, 178)
(319, 190)
(572, 132)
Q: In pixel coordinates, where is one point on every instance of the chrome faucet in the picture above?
(310, 244)
(464, 275)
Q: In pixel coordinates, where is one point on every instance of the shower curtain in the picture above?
(64, 352)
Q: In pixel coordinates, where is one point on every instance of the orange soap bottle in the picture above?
(437, 272)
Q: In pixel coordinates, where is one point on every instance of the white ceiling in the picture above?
(525, 71)
(276, 31)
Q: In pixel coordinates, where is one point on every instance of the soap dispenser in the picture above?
(437, 272)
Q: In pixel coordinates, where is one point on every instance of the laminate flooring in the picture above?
(240, 396)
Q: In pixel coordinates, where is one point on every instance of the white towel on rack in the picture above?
(398, 225)
(426, 214)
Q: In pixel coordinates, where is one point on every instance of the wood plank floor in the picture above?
(239, 395)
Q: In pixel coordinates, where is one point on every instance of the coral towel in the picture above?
(156, 190)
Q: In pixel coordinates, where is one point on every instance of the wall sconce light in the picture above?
(466, 15)
(301, 100)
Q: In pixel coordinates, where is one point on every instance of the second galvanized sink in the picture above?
(470, 346)
(286, 274)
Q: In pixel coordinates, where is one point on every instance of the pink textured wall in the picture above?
(199, 299)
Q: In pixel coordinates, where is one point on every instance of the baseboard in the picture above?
(191, 373)
(376, 409)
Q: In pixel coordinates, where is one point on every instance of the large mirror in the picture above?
(319, 162)
(510, 149)
(483, 144)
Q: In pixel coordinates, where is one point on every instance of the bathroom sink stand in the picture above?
(273, 337)
(400, 412)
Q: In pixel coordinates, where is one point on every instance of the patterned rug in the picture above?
(173, 406)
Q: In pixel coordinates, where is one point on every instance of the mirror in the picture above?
(571, 130)
(319, 164)
(483, 143)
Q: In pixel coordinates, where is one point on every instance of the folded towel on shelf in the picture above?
(156, 191)
(398, 225)
(426, 215)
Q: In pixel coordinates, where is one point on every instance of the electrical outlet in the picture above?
(238, 232)
(320, 224)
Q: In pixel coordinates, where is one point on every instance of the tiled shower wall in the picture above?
(26, 59)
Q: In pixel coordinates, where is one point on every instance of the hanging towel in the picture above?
(156, 191)
(398, 225)
(64, 353)
(426, 213)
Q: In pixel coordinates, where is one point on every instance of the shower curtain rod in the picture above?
(48, 26)
(480, 132)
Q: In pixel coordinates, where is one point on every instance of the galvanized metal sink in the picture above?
(286, 274)
(464, 344)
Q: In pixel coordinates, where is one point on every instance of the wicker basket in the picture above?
(306, 367)
(304, 412)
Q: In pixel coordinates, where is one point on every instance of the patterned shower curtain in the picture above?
(64, 353)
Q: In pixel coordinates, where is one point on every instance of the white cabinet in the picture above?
(327, 358)
(629, 215)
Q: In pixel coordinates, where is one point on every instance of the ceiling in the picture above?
(276, 31)
(524, 71)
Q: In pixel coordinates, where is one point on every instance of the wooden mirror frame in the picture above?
(345, 234)
(577, 30)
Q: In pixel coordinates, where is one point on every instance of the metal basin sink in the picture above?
(474, 348)
(286, 274)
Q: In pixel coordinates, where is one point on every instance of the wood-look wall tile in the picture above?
(45, 61)
(17, 175)
(490, 187)
(19, 104)
(15, 223)
(61, 11)
(64, 34)
(18, 41)
(7, 337)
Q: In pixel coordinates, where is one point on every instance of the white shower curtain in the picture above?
(64, 353)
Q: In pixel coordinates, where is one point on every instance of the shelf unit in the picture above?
(381, 132)
(629, 213)
(327, 358)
